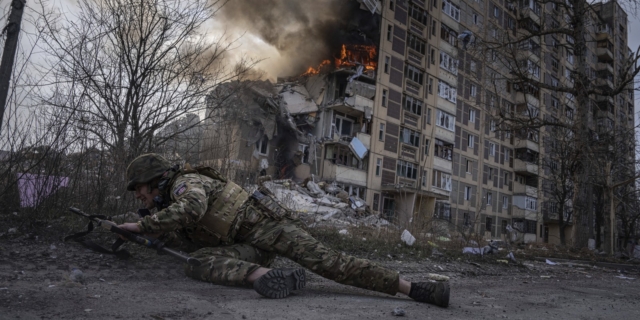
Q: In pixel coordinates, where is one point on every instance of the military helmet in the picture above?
(145, 168)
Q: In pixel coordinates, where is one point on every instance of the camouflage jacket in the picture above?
(190, 194)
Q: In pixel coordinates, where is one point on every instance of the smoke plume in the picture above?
(303, 32)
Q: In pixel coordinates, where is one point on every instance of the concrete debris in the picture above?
(398, 312)
(407, 237)
(12, 231)
(625, 278)
(314, 189)
(343, 232)
(549, 262)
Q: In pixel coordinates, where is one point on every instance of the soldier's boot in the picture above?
(278, 283)
(431, 292)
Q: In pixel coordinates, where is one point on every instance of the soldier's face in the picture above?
(142, 193)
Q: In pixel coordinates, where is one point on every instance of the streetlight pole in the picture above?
(12, 29)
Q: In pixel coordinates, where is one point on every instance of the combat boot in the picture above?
(431, 292)
(278, 283)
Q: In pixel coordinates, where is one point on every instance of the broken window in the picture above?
(384, 97)
(530, 203)
(407, 169)
(410, 137)
(448, 63)
(262, 145)
(489, 198)
(451, 10)
(449, 35)
(505, 202)
(445, 120)
(378, 166)
(415, 43)
(418, 14)
(381, 132)
(442, 180)
(442, 210)
(492, 149)
(426, 147)
(389, 32)
(465, 219)
(413, 105)
(446, 91)
(467, 193)
(388, 206)
(343, 124)
(304, 151)
(342, 155)
(444, 150)
(387, 61)
(413, 73)
(488, 224)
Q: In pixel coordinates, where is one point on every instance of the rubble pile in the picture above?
(323, 204)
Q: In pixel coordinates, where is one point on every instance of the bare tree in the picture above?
(124, 69)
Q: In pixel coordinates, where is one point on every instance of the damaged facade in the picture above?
(394, 117)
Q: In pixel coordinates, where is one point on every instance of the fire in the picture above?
(350, 55)
(312, 71)
(354, 54)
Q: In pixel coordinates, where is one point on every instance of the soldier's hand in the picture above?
(131, 227)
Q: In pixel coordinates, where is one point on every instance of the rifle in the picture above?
(106, 223)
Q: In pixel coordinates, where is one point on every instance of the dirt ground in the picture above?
(34, 284)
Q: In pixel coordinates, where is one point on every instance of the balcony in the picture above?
(530, 13)
(604, 67)
(520, 188)
(527, 214)
(445, 135)
(343, 173)
(604, 54)
(552, 217)
(524, 167)
(442, 164)
(526, 143)
(604, 84)
(354, 106)
(603, 33)
(410, 119)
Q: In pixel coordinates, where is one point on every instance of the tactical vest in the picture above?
(217, 224)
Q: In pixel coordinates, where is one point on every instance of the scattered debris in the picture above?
(4, 288)
(437, 277)
(407, 237)
(343, 231)
(88, 310)
(12, 231)
(76, 275)
(398, 312)
(512, 257)
(549, 262)
(625, 277)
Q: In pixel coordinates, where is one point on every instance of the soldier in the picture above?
(237, 235)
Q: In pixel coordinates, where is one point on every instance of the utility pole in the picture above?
(12, 29)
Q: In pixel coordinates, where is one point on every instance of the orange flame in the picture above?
(350, 55)
(353, 54)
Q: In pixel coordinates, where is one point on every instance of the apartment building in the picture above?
(439, 148)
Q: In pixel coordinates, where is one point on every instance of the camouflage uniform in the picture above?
(257, 235)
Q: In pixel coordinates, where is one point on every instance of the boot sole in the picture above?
(278, 283)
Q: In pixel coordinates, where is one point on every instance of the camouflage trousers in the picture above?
(230, 265)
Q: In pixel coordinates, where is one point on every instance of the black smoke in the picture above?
(304, 32)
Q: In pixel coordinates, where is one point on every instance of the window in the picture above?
(555, 64)
(448, 63)
(492, 149)
(343, 124)
(433, 27)
(407, 169)
(555, 103)
(449, 35)
(489, 198)
(424, 178)
(504, 226)
(530, 203)
(304, 151)
(426, 147)
(467, 193)
(492, 126)
(569, 113)
(505, 202)
(433, 56)
(410, 137)
(451, 10)
(473, 90)
(465, 219)
(384, 97)
(468, 166)
(507, 155)
(428, 116)
(418, 14)
(391, 5)
(488, 224)
(262, 145)
(445, 120)
(413, 105)
(381, 132)
(472, 115)
(473, 66)
(476, 19)
(441, 180)
(442, 210)
(378, 166)
(387, 60)
(490, 174)
(554, 81)
(430, 87)
(532, 68)
(389, 32)
(416, 43)
(446, 91)
(496, 12)
(413, 73)
(443, 149)
(470, 141)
